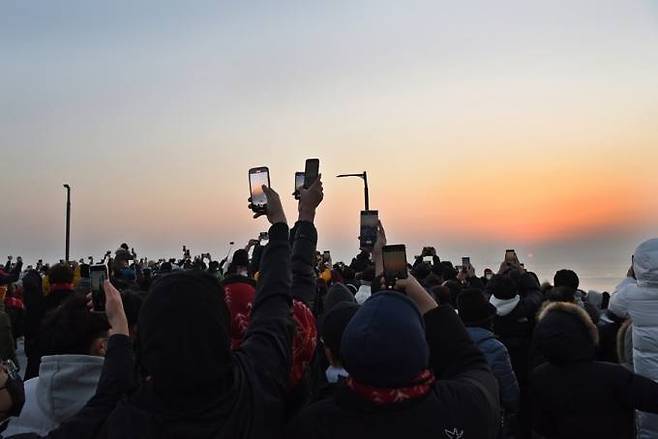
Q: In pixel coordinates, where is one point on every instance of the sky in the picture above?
(482, 125)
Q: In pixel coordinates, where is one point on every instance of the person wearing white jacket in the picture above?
(637, 297)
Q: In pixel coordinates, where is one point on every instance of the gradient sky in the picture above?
(483, 125)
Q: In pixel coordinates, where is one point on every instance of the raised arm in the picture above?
(268, 340)
(304, 238)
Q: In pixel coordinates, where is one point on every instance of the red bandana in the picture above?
(62, 286)
(421, 386)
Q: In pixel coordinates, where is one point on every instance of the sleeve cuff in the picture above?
(306, 230)
(279, 232)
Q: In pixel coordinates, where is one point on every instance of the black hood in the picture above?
(565, 334)
(184, 339)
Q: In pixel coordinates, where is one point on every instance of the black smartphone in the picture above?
(510, 256)
(84, 271)
(326, 256)
(258, 177)
(368, 235)
(395, 263)
(466, 261)
(311, 171)
(299, 184)
(98, 275)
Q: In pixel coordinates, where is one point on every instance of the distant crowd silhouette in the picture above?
(281, 342)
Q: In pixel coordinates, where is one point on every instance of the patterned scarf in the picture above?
(420, 386)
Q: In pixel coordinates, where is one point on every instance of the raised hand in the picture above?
(310, 199)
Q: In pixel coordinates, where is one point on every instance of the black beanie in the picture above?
(338, 293)
(502, 287)
(474, 308)
(566, 278)
(241, 258)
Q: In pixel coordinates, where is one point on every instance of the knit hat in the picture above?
(502, 287)
(334, 323)
(474, 308)
(384, 344)
(337, 293)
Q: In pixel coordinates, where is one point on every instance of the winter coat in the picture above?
(498, 358)
(253, 380)
(116, 380)
(465, 390)
(7, 347)
(638, 299)
(573, 395)
(64, 385)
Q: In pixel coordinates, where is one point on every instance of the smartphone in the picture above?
(510, 256)
(98, 275)
(368, 235)
(395, 263)
(84, 271)
(259, 177)
(326, 256)
(311, 171)
(299, 184)
(466, 261)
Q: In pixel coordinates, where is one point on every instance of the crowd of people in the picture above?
(281, 342)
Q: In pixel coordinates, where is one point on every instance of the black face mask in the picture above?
(14, 386)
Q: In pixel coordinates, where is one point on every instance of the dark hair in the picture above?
(60, 274)
(71, 328)
(432, 280)
(566, 278)
(441, 294)
(132, 303)
(561, 294)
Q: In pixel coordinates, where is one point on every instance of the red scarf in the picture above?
(61, 286)
(420, 386)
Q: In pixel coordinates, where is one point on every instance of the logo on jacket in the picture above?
(454, 434)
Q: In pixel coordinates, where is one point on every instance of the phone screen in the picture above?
(466, 261)
(257, 178)
(299, 181)
(510, 256)
(395, 263)
(368, 235)
(97, 275)
(311, 172)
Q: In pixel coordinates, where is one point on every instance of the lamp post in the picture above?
(68, 219)
(364, 176)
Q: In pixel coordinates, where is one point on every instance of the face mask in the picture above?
(127, 274)
(489, 276)
(13, 386)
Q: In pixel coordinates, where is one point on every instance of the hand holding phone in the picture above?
(97, 276)
(394, 258)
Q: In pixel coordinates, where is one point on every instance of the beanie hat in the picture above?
(337, 293)
(502, 287)
(241, 258)
(474, 308)
(334, 323)
(566, 278)
(384, 344)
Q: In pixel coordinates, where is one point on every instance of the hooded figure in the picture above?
(195, 386)
(637, 298)
(575, 396)
(394, 356)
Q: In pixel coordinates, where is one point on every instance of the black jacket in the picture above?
(116, 380)
(252, 406)
(463, 402)
(576, 397)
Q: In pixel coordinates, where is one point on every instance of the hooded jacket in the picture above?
(638, 299)
(64, 385)
(573, 395)
(198, 387)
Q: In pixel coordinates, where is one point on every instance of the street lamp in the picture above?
(364, 176)
(68, 219)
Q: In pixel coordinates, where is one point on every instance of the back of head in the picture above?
(502, 287)
(565, 334)
(338, 293)
(184, 321)
(566, 278)
(71, 328)
(384, 343)
(60, 274)
(333, 326)
(561, 294)
(240, 258)
(645, 263)
(475, 309)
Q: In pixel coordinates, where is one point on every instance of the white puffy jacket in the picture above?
(638, 299)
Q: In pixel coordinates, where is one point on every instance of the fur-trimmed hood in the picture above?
(565, 334)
